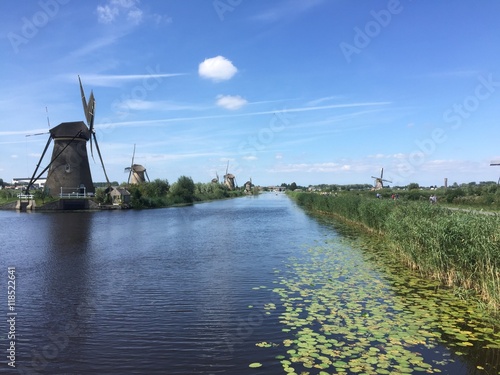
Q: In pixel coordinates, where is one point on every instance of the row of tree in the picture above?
(160, 193)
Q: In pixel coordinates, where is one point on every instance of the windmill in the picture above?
(69, 167)
(229, 179)
(248, 186)
(136, 172)
(379, 181)
(496, 163)
(215, 180)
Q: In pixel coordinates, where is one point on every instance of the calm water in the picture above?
(168, 291)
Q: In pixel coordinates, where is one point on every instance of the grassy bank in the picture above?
(458, 248)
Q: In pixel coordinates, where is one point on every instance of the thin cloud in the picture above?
(162, 105)
(310, 167)
(117, 80)
(289, 110)
(287, 10)
(231, 102)
(217, 69)
(322, 100)
(95, 45)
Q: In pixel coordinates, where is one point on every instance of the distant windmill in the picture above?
(229, 179)
(248, 186)
(379, 181)
(136, 172)
(69, 166)
(496, 163)
(215, 180)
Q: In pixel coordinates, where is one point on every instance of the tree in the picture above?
(157, 188)
(183, 190)
(293, 186)
(413, 186)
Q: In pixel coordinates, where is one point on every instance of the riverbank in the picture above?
(458, 248)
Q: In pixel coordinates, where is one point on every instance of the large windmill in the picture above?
(136, 173)
(69, 170)
(496, 163)
(229, 179)
(379, 181)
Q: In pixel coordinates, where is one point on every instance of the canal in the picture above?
(252, 285)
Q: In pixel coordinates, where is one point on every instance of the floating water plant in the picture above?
(343, 314)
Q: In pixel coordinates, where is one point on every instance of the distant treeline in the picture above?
(482, 196)
(159, 193)
(460, 248)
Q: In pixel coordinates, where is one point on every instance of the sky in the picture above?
(281, 91)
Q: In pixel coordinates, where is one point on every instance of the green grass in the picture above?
(459, 248)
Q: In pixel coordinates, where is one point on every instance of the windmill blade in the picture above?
(227, 167)
(382, 173)
(84, 101)
(31, 135)
(33, 179)
(100, 157)
(131, 166)
(91, 112)
(146, 173)
(90, 118)
(47, 112)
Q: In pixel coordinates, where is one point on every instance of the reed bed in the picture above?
(458, 248)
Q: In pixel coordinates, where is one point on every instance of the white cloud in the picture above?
(217, 69)
(14, 156)
(106, 14)
(231, 102)
(279, 156)
(251, 157)
(109, 12)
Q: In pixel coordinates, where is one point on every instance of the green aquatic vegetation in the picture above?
(343, 313)
(457, 248)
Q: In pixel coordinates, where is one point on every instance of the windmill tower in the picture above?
(229, 179)
(379, 181)
(136, 173)
(69, 168)
(496, 163)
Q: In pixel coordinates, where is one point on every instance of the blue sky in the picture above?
(316, 91)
